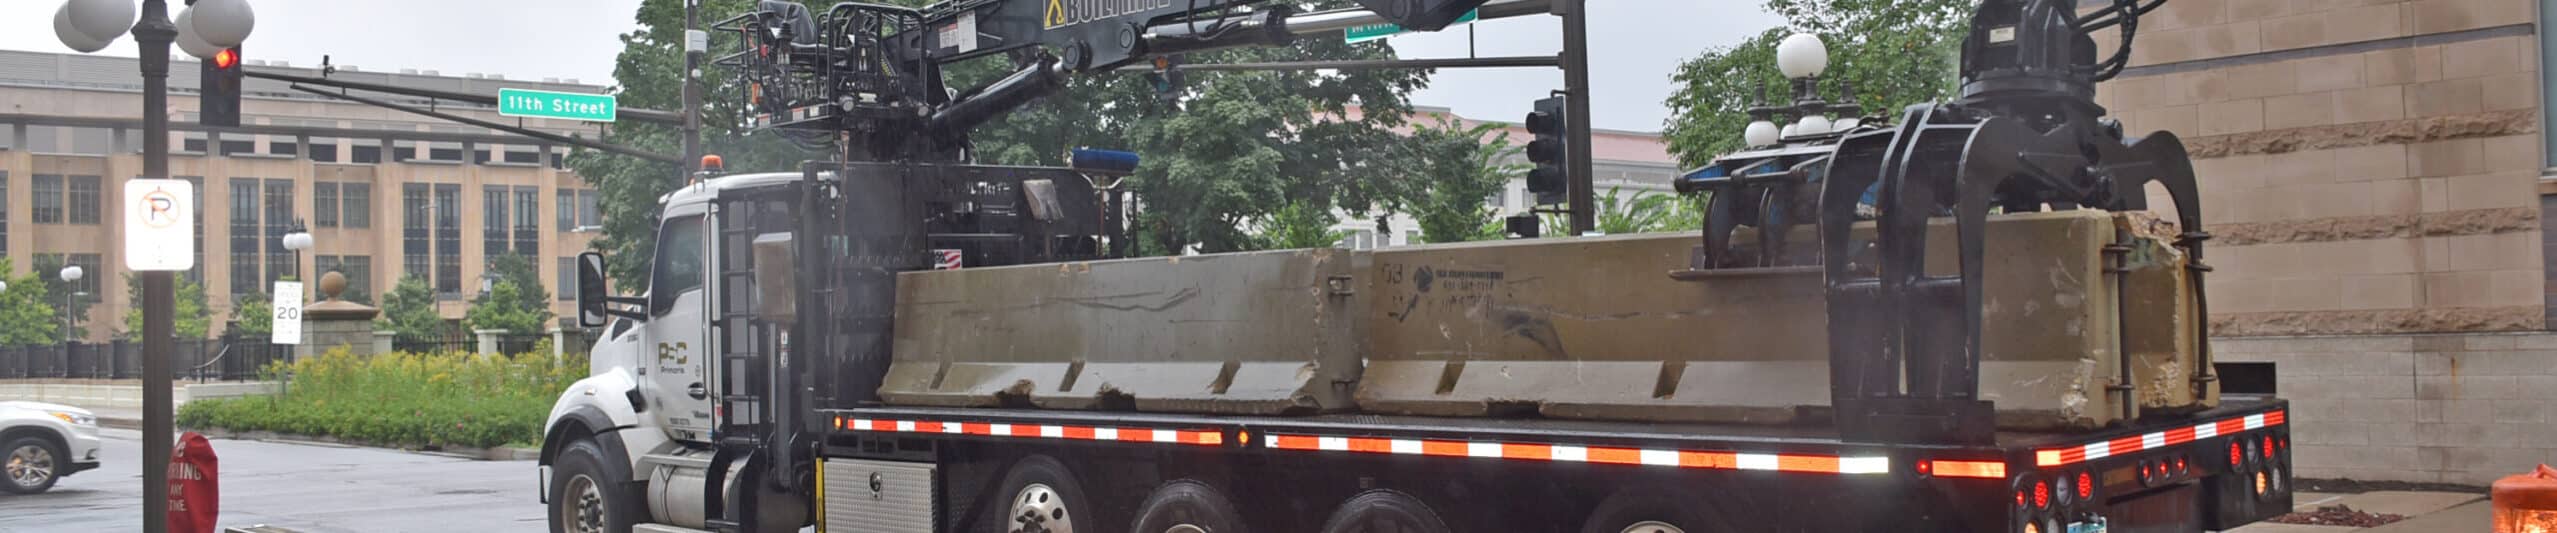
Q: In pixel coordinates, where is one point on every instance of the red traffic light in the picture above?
(227, 58)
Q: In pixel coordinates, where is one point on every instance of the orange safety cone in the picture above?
(2527, 503)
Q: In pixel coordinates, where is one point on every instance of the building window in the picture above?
(403, 151)
(448, 241)
(356, 208)
(588, 213)
(192, 145)
(283, 148)
(323, 150)
(366, 153)
(4, 214)
(324, 204)
(48, 198)
(279, 221)
(84, 200)
(244, 237)
(567, 280)
(528, 158)
(239, 147)
(415, 244)
(438, 153)
(494, 235)
(566, 211)
(89, 283)
(528, 226)
(577, 209)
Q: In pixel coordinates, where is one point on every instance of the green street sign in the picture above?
(548, 104)
(1360, 34)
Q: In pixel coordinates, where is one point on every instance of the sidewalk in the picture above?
(118, 403)
(2426, 512)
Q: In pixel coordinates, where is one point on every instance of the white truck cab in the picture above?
(627, 447)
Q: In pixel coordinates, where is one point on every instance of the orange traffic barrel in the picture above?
(2527, 503)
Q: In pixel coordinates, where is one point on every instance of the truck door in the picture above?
(675, 328)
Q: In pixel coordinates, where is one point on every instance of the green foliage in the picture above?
(516, 303)
(191, 315)
(502, 308)
(1641, 212)
(1455, 168)
(1298, 225)
(1893, 52)
(254, 316)
(27, 309)
(409, 310)
(59, 293)
(402, 399)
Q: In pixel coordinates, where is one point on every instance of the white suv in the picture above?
(41, 442)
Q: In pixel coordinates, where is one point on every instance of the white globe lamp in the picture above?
(103, 20)
(221, 23)
(1800, 55)
(1812, 125)
(1760, 133)
(71, 35)
(73, 273)
(188, 42)
(1788, 132)
(1846, 124)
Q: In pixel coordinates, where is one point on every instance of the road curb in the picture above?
(501, 453)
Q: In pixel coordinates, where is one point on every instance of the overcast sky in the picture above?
(1634, 45)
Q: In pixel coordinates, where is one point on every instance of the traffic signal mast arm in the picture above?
(873, 72)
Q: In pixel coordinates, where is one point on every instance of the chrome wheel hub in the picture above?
(30, 466)
(1653, 527)
(582, 506)
(1039, 509)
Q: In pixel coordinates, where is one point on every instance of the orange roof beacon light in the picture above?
(2527, 503)
(712, 164)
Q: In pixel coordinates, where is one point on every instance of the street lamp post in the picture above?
(70, 300)
(297, 239)
(87, 26)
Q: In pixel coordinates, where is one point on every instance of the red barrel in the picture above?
(2527, 503)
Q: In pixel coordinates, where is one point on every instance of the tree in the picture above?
(515, 303)
(1298, 225)
(253, 317)
(1457, 168)
(1641, 212)
(409, 310)
(59, 293)
(191, 315)
(26, 309)
(1892, 53)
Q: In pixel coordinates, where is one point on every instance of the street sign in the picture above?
(159, 225)
(549, 104)
(288, 312)
(1360, 34)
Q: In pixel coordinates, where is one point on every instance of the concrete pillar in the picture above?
(382, 341)
(488, 340)
(558, 344)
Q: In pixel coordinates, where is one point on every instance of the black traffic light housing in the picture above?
(1551, 151)
(219, 101)
(1168, 78)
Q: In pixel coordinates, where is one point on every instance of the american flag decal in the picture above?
(944, 259)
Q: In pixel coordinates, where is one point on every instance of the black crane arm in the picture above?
(868, 75)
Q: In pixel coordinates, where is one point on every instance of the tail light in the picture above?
(2041, 494)
(2236, 454)
(2086, 486)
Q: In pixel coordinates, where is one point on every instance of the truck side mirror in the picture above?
(590, 290)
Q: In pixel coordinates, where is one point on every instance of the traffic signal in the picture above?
(1551, 151)
(220, 98)
(1167, 78)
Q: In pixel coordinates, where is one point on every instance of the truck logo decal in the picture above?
(673, 353)
(1063, 12)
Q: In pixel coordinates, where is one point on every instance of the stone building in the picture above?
(384, 193)
(2373, 171)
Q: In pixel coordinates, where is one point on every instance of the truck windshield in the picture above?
(679, 263)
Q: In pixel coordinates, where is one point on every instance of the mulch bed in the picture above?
(2337, 515)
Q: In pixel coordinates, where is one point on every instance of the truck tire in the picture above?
(1188, 506)
(1384, 511)
(1040, 495)
(1655, 509)
(31, 464)
(591, 493)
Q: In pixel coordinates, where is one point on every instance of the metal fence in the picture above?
(201, 360)
(464, 343)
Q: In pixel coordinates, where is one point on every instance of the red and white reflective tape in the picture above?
(1824, 464)
(1043, 431)
(2155, 440)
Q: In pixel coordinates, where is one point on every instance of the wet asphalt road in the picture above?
(319, 488)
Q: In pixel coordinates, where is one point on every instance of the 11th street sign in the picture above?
(1360, 34)
(550, 104)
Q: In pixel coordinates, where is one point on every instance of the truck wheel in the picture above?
(590, 493)
(32, 465)
(1040, 496)
(1188, 506)
(1654, 509)
(1384, 511)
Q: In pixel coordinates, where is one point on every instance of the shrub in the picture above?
(402, 399)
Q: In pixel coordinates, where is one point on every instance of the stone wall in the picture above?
(2458, 408)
